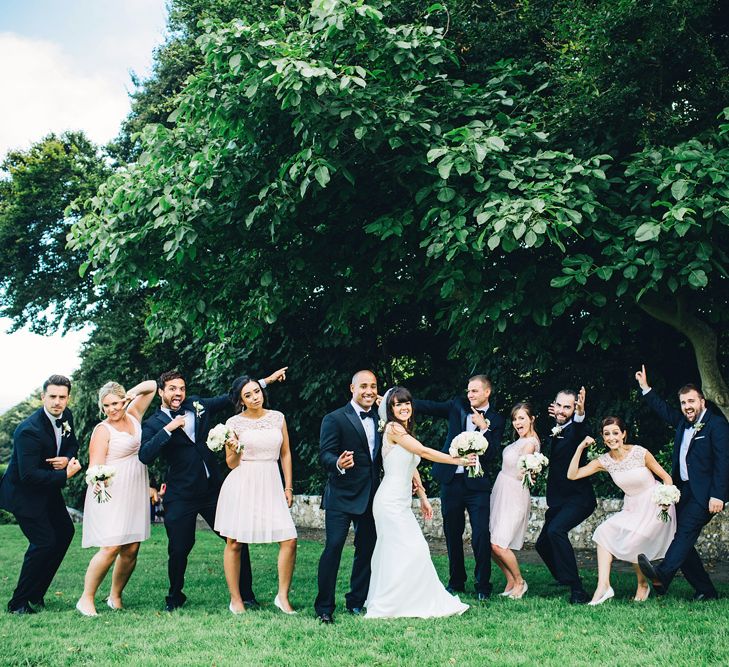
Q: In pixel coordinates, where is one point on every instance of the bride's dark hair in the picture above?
(401, 395)
(235, 390)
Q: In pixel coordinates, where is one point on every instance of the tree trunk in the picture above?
(702, 338)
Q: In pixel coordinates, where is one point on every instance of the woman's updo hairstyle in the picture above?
(235, 390)
(113, 388)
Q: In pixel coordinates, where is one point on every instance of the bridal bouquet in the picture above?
(470, 442)
(217, 437)
(531, 465)
(99, 477)
(665, 495)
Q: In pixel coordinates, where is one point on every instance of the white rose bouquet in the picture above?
(218, 436)
(530, 466)
(99, 478)
(470, 442)
(665, 495)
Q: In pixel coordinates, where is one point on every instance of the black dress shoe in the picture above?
(326, 619)
(355, 611)
(454, 591)
(252, 604)
(705, 597)
(171, 606)
(23, 609)
(482, 597)
(38, 604)
(579, 596)
(649, 570)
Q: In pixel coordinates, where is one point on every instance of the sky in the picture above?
(65, 65)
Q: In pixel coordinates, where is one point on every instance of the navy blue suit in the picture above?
(347, 500)
(569, 503)
(460, 493)
(190, 489)
(31, 490)
(707, 462)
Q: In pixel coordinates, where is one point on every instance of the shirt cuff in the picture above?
(169, 433)
(645, 391)
(578, 418)
(262, 383)
(719, 500)
(341, 470)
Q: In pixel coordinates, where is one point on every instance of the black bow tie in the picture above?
(364, 415)
(177, 413)
(59, 423)
(481, 412)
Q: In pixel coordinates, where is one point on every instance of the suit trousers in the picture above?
(337, 527)
(456, 500)
(691, 517)
(50, 535)
(553, 544)
(180, 523)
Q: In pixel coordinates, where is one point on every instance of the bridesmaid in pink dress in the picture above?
(121, 523)
(253, 505)
(636, 528)
(511, 503)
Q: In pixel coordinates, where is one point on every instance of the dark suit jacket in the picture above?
(561, 490)
(707, 459)
(352, 491)
(456, 411)
(29, 482)
(185, 478)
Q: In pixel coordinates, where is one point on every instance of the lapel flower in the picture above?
(65, 429)
(488, 424)
(381, 425)
(698, 427)
(557, 430)
(199, 409)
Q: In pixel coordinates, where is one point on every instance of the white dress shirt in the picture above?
(688, 435)
(470, 426)
(368, 425)
(56, 429)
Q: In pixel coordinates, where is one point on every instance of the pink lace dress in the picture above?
(510, 501)
(636, 528)
(252, 506)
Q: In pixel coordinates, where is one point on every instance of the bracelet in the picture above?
(288, 488)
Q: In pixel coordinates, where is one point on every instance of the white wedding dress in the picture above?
(403, 581)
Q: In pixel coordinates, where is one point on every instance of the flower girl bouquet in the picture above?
(665, 495)
(531, 465)
(99, 478)
(219, 435)
(470, 442)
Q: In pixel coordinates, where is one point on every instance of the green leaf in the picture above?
(322, 175)
(648, 231)
(679, 189)
(698, 278)
(266, 278)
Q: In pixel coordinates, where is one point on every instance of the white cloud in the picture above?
(43, 93)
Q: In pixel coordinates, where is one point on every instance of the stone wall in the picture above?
(713, 543)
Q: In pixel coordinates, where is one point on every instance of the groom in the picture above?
(178, 432)
(460, 493)
(44, 447)
(350, 452)
(701, 472)
(569, 503)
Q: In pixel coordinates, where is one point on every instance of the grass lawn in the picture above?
(541, 629)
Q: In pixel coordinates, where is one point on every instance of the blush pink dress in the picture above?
(510, 501)
(252, 506)
(125, 517)
(636, 528)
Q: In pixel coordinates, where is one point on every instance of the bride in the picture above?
(404, 581)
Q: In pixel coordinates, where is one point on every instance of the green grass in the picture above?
(542, 629)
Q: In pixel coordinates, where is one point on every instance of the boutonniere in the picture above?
(199, 409)
(65, 429)
(488, 424)
(698, 427)
(381, 425)
(557, 430)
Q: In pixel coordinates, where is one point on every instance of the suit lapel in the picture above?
(703, 423)
(48, 430)
(356, 421)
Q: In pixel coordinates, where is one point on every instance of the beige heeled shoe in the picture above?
(83, 611)
(277, 602)
(609, 593)
(235, 611)
(524, 589)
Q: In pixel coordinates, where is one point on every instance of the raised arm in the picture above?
(668, 414)
(140, 397)
(574, 471)
(401, 437)
(432, 408)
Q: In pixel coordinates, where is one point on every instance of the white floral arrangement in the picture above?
(199, 408)
(99, 478)
(665, 495)
(65, 429)
(556, 430)
(217, 437)
(530, 465)
(470, 442)
(381, 425)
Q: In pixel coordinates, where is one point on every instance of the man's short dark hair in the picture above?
(568, 392)
(168, 376)
(689, 388)
(483, 379)
(57, 381)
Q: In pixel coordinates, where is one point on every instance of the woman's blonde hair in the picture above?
(110, 388)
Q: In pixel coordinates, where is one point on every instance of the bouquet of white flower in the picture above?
(531, 465)
(99, 478)
(470, 442)
(217, 437)
(665, 495)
